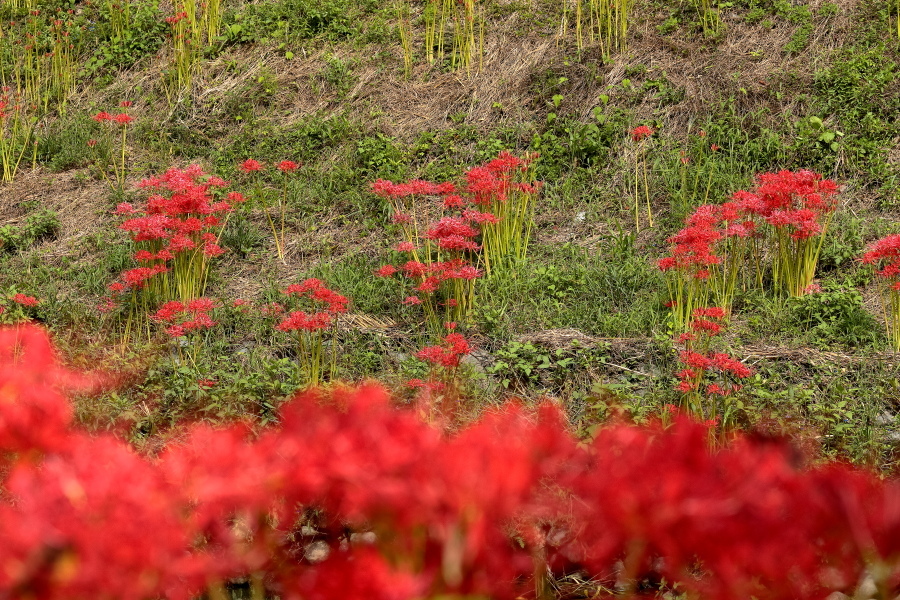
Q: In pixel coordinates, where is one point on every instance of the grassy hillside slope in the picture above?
(778, 84)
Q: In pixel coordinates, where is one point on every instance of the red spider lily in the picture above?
(885, 254)
(180, 225)
(640, 132)
(796, 207)
(123, 119)
(250, 165)
(447, 355)
(287, 166)
(24, 300)
(310, 326)
(299, 320)
(701, 364)
(183, 318)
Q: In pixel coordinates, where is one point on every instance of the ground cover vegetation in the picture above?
(674, 215)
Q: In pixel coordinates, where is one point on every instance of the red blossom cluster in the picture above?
(178, 229)
(315, 291)
(183, 318)
(796, 200)
(694, 248)
(449, 353)
(176, 18)
(13, 309)
(426, 278)
(448, 251)
(704, 372)
(24, 300)
(796, 207)
(479, 512)
(119, 119)
(641, 132)
(491, 184)
(251, 165)
(886, 254)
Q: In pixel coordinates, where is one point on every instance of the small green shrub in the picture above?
(522, 365)
(37, 227)
(64, 145)
(834, 316)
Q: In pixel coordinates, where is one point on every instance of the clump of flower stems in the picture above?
(604, 22)
(496, 204)
(707, 376)
(176, 237)
(783, 221)
(709, 16)
(467, 22)
(404, 27)
(194, 27)
(696, 171)
(40, 68)
(505, 188)
(323, 308)
(439, 275)
(122, 120)
(16, 132)
(288, 169)
(639, 135)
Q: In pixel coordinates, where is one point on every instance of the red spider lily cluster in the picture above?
(491, 510)
(797, 201)
(783, 219)
(183, 318)
(438, 396)
(490, 222)
(449, 353)
(505, 190)
(25, 300)
(440, 272)
(310, 325)
(706, 375)
(176, 234)
(885, 254)
(332, 303)
(641, 132)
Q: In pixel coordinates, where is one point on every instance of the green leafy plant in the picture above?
(834, 315)
(38, 226)
(523, 365)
